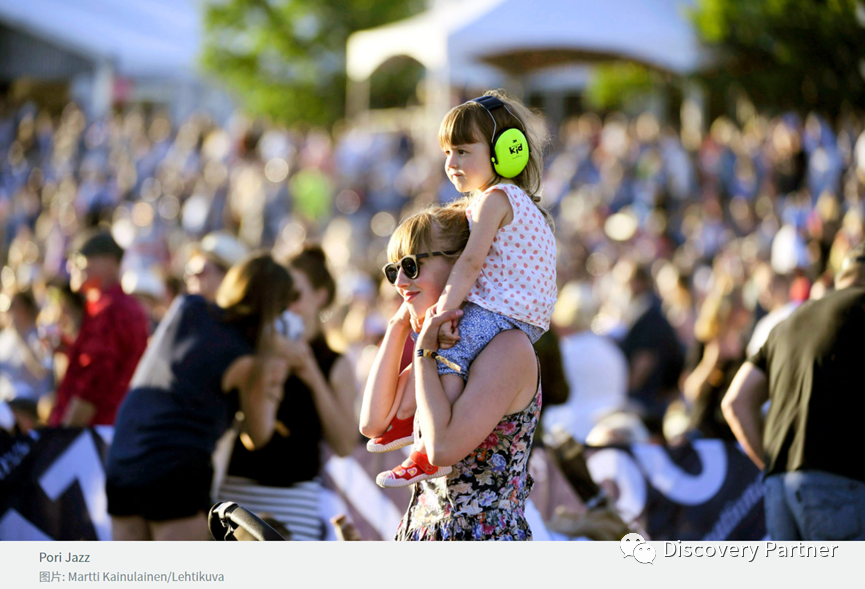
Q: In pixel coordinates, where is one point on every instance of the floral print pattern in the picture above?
(484, 496)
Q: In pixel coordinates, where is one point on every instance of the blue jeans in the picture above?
(814, 505)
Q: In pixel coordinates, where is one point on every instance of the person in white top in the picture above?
(505, 278)
(26, 366)
(595, 368)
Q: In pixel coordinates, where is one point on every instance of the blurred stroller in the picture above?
(228, 521)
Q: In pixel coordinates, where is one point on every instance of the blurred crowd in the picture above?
(673, 263)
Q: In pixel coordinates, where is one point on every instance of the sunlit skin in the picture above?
(93, 275)
(203, 277)
(424, 291)
(468, 166)
(308, 304)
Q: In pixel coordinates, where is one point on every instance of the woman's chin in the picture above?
(418, 311)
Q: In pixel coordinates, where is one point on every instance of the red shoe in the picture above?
(399, 434)
(418, 470)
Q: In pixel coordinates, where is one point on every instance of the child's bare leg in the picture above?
(453, 385)
(407, 405)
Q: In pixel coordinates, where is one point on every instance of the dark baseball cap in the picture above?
(100, 243)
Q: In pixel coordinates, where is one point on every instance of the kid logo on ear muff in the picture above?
(509, 150)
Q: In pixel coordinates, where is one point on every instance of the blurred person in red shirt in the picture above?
(112, 338)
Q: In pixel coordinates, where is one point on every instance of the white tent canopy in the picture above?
(455, 38)
(519, 37)
(425, 38)
(138, 38)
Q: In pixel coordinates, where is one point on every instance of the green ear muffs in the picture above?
(511, 153)
(509, 150)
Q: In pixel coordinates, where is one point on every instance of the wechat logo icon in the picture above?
(635, 545)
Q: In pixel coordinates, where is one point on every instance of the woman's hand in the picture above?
(416, 324)
(274, 372)
(428, 338)
(404, 317)
(300, 358)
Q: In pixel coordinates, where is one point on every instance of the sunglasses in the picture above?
(409, 265)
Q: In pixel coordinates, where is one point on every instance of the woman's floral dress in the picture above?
(484, 497)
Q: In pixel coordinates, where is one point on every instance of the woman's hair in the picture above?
(716, 311)
(471, 123)
(313, 263)
(437, 228)
(25, 298)
(253, 294)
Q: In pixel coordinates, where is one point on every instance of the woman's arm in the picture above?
(385, 385)
(502, 380)
(490, 213)
(260, 380)
(693, 384)
(334, 399)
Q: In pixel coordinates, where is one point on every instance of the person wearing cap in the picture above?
(150, 291)
(810, 370)
(111, 340)
(208, 265)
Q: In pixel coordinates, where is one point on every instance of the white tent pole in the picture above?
(357, 97)
(438, 102)
(693, 114)
(102, 91)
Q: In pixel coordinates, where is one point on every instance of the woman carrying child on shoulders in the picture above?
(476, 306)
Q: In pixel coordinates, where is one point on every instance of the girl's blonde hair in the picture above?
(472, 123)
(436, 228)
(253, 294)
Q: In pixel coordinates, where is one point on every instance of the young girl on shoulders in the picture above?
(505, 278)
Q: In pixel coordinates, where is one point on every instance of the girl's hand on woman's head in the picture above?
(428, 338)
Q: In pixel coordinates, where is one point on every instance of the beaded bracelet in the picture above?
(421, 353)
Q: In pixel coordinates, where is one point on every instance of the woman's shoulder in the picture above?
(507, 370)
(511, 351)
(189, 305)
(210, 322)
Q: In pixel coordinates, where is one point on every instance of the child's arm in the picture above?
(490, 214)
(385, 386)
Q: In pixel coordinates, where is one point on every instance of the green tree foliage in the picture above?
(787, 54)
(286, 58)
(616, 85)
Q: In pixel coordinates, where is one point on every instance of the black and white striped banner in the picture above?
(52, 486)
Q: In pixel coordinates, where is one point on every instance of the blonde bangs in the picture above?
(438, 228)
(412, 236)
(462, 125)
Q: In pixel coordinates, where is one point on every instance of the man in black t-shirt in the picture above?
(811, 443)
(655, 356)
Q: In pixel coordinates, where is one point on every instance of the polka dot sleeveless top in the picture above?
(518, 277)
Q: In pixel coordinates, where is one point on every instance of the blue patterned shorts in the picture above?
(477, 328)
